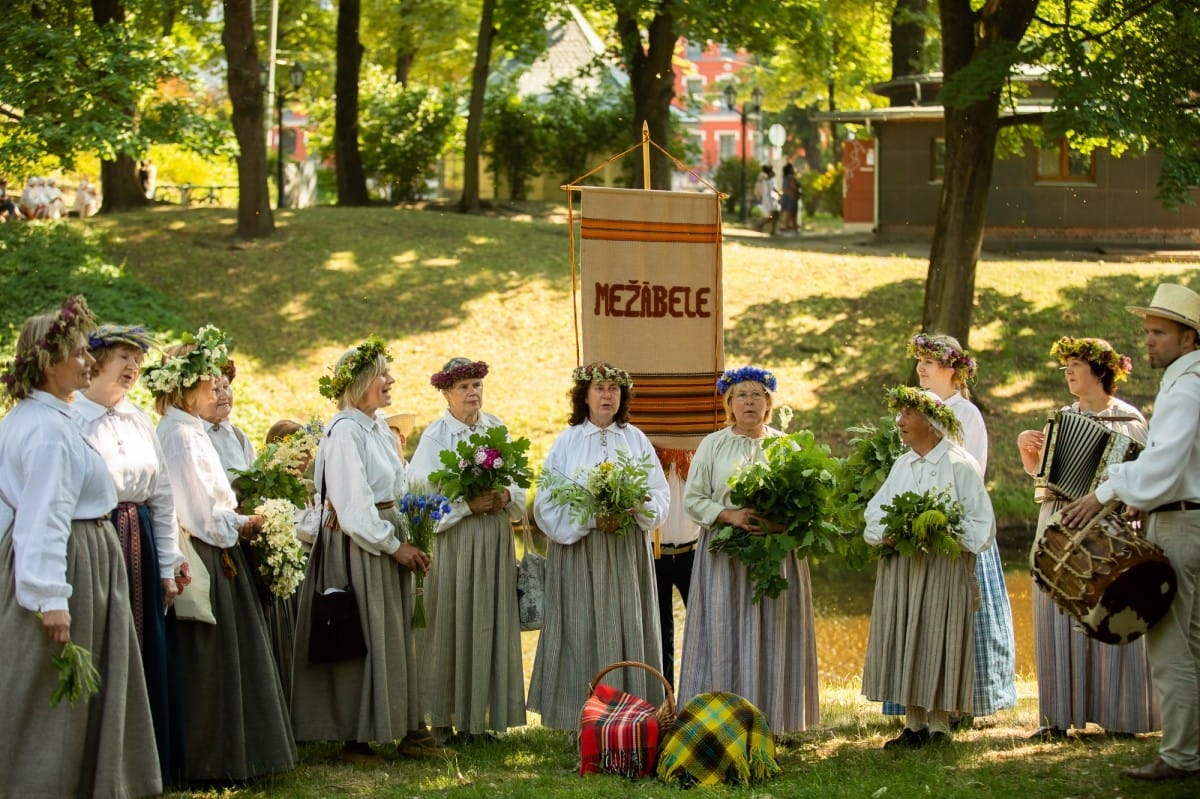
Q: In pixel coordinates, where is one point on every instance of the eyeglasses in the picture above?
(749, 396)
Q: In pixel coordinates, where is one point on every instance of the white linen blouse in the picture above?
(49, 475)
(205, 504)
(232, 445)
(358, 465)
(720, 456)
(124, 437)
(445, 434)
(947, 466)
(586, 445)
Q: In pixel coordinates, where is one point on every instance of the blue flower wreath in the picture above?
(732, 377)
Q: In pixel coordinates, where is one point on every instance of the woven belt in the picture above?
(385, 505)
(1183, 504)
(676, 549)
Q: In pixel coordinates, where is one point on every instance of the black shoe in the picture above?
(963, 721)
(909, 740)
(940, 739)
(1048, 734)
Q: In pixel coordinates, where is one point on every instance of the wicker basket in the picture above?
(666, 711)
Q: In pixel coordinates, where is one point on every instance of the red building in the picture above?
(702, 71)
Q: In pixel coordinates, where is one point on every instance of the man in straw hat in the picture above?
(1164, 484)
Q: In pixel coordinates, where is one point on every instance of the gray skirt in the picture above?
(375, 698)
(765, 651)
(234, 706)
(100, 747)
(601, 607)
(471, 669)
(921, 645)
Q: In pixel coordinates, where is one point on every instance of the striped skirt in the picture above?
(601, 607)
(921, 644)
(764, 651)
(471, 669)
(1081, 680)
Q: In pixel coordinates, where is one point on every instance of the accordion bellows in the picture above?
(1077, 453)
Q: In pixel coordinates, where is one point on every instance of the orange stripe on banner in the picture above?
(683, 404)
(632, 230)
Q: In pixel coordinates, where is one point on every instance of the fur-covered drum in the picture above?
(1116, 584)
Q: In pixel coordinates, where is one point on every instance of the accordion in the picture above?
(1077, 453)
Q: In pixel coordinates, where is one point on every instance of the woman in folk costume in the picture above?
(63, 579)
(228, 664)
(601, 602)
(471, 669)
(944, 369)
(765, 651)
(145, 521)
(1082, 680)
(359, 474)
(920, 648)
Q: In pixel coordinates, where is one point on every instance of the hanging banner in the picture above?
(650, 290)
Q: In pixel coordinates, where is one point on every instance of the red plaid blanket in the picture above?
(618, 734)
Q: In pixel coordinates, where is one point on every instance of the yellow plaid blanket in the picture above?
(718, 738)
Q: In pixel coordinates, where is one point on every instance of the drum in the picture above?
(1114, 583)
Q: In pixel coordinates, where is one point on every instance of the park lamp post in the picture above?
(296, 78)
(753, 107)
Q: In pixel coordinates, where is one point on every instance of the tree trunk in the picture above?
(908, 38)
(473, 147)
(652, 80)
(119, 185)
(970, 154)
(254, 218)
(351, 182)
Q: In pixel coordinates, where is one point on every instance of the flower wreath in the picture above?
(365, 354)
(120, 335)
(24, 370)
(1093, 350)
(177, 372)
(445, 379)
(732, 377)
(602, 372)
(936, 411)
(925, 346)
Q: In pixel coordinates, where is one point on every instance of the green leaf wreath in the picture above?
(929, 523)
(792, 489)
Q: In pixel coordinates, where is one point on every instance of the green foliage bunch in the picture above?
(929, 523)
(607, 490)
(484, 462)
(791, 490)
(515, 136)
(873, 450)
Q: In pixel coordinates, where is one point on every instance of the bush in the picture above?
(822, 191)
(728, 179)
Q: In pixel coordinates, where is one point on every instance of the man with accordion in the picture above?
(1164, 485)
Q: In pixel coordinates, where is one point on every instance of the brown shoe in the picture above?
(421, 744)
(1157, 770)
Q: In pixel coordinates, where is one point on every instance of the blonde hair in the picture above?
(727, 400)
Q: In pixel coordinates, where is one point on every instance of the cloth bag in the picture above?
(195, 603)
(619, 732)
(531, 585)
(718, 738)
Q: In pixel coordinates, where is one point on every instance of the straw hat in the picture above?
(1174, 302)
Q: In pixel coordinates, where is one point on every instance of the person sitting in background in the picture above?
(87, 199)
(8, 208)
(31, 199)
(56, 207)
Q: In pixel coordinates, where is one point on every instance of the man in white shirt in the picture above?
(1164, 484)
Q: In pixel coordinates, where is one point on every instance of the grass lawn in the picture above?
(830, 316)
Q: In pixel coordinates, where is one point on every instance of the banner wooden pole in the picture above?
(645, 155)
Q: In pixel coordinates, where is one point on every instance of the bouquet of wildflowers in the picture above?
(929, 523)
(607, 490)
(422, 510)
(281, 559)
(485, 462)
(791, 490)
(275, 486)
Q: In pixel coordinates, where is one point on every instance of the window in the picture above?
(726, 146)
(1062, 162)
(695, 86)
(937, 159)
